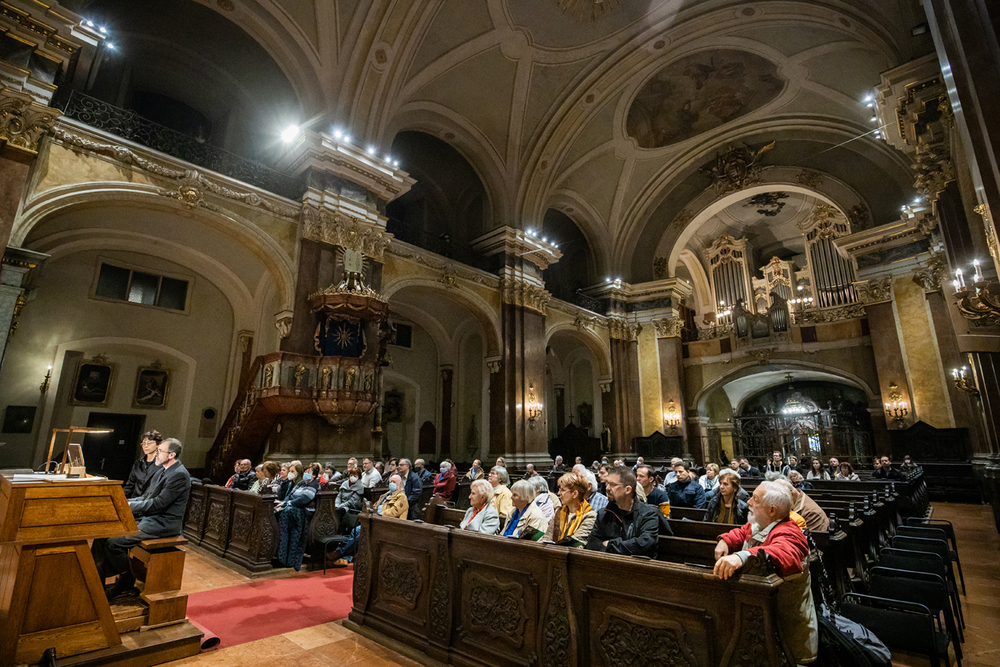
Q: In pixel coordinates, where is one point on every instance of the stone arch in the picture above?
(64, 199)
(476, 305)
(597, 345)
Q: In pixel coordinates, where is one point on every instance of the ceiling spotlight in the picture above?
(90, 24)
(395, 163)
(874, 118)
(545, 240)
(388, 158)
(110, 45)
(103, 31)
(371, 150)
(347, 138)
(290, 133)
(868, 98)
(337, 134)
(608, 280)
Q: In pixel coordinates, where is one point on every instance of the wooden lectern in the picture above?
(50, 592)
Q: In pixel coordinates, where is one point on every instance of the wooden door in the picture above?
(112, 454)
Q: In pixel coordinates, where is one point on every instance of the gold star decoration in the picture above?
(344, 337)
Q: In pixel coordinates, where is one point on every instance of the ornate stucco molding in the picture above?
(930, 275)
(932, 170)
(518, 243)
(668, 328)
(520, 293)
(341, 226)
(605, 385)
(815, 316)
(494, 364)
(991, 237)
(192, 184)
(23, 122)
(283, 323)
(621, 329)
(876, 290)
(736, 169)
(450, 272)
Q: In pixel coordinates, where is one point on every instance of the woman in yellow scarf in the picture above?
(571, 525)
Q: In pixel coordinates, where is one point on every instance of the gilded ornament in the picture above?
(621, 329)
(341, 228)
(736, 169)
(22, 122)
(876, 290)
(930, 275)
(668, 328)
(809, 179)
(298, 374)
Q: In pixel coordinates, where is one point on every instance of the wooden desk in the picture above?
(50, 592)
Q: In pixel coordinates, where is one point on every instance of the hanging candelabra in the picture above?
(670, 416)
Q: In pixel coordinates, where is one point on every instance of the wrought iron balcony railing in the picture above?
(133, 127)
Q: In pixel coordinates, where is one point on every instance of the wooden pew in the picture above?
(484, 601)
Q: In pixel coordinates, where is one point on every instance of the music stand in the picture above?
(70, 431)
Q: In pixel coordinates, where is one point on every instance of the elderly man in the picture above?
(159, 512)
(243, 476)
(597, 500)
(419, 467)
(530, 471)
(771, 530)
(476, 471)
(413, 487)
(558, 465)
(370, 476)
(885, 470)
(526, 521)
(625, 526)
(686, 491)
(393, 503)
(501, 501)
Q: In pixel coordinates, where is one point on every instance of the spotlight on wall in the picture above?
(371, 150)
(290, 133)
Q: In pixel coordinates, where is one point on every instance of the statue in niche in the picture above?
(472, 438)
(349, 380)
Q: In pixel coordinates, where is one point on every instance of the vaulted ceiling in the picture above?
(610, 120)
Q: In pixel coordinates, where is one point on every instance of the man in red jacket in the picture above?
(769, 529)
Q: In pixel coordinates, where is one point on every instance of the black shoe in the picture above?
(123, 587)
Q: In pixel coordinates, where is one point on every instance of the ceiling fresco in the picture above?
(699, 93)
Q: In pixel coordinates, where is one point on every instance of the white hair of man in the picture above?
(398, 480)
(446, 466)
(559, 459)
(525, 490)
(592, 480)
(541, 486)
(419, 462)
(483, 487)
(580, 469)
(778, 496)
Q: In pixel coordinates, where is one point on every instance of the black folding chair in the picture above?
(937, 532)
(944, 525)
(921, 588)
(901, 625)
(922, 561)
(934, 546)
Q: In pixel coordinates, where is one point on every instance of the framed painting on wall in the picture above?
(94, 382)
(151, 386)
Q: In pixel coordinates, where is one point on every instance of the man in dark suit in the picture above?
(159, 512)
(413, 486)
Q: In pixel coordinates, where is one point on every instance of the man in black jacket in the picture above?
(159, 513)
(145, 467)
(885, 470)
(413, 486)
(625, 526)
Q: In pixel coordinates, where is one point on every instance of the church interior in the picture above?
(301, 230)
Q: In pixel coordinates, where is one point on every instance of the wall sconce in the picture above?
(965, 382)
(44, 387)
(896, 408)
(670, 415)
(532, 408)
(979, 305)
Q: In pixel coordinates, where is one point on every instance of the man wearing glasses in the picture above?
(159, 512)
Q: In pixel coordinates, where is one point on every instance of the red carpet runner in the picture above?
(260, 609)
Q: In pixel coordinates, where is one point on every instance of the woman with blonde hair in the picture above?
(481, 517)
(573, 523)
(710, 480)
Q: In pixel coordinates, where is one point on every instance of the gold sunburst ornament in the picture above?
(344, 337)
(587, 10)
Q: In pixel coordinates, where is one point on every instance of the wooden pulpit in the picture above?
(50, 592)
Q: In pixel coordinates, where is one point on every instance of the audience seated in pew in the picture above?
(726, 506)
(686, 491)
(646, 481)
(885, 470)
(393, 503)
(817, 471)
(500, 482)
(243, 475)
(444, 483)
(596, 499)
(846, 473)
(425, 475)
(351, 493)
(557, 465)
(543, 497)
(710, 480)
(625, 526)
(526, 520)
(798, 481)
(482, 516)
(476, 471)
(412, 486)
(771, 530)
(573, 522)
(820, 522)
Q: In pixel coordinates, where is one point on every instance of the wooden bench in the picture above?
(159, 563)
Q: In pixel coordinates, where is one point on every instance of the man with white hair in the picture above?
(393, 503)
(769, 529)
(558, 465)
